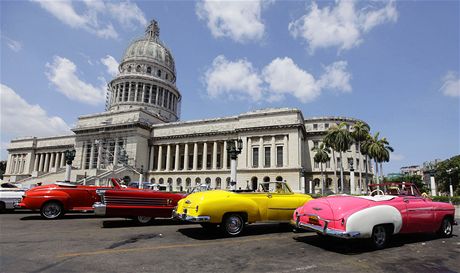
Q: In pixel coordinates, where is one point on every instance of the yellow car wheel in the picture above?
(233, 224)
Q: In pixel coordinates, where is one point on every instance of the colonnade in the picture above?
(95, 154)
(44, 162)
(18, 163)
(145, 93)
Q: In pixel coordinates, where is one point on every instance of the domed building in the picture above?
(139, 136)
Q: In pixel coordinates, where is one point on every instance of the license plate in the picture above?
(313, 220)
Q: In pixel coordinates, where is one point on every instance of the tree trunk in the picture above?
(360, 183)
(341, 173)
(376, 171)
(381, 170)
(367, 175)
(335, 172)
(322, 180)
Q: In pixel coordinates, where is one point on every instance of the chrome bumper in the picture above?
(185, 217)
(325, 230)
(99, 208)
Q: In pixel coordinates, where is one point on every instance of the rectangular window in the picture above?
(279, 156)
(316, 165)
(326, 125)
(165, 100)
(219, 163)
(350, 163)
(154, 94)
(328, 164)
(208, 161)
(315, 126)
(357, 164)
(190, 161)
(255, 157)
(147, 93)
(268, 151)
(160, 96)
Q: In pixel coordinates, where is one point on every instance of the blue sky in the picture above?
(393, 64)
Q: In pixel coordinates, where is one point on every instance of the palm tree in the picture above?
(364, 151)
(379, 150)
(360, 133)
(321, 156)
(339, 138)
(385, 153)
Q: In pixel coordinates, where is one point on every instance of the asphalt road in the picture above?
(83, 243)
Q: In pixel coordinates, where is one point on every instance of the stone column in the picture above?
(195, 156)
(224, 165)
(261, 152)
(41, 166)
(152, 157)
(249, 153)
(47, 163)
(150, 94)
(273, 153)
(160, 157)
(285, 151)
(16, 164)
(57, 161)
(136, 91)
(52, 160)
(129, 91)
(143, 93)
(63, 160)
(205, 156)
(36, 162)
(157, 94)
(168, 157)
(116, 150)
(91, 157)
(186, 156)
(177, 159)
(99, 155)
(214, 156)
(123, 97)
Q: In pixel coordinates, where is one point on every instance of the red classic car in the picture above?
(55, 199)
(391, 208)
(142, 205)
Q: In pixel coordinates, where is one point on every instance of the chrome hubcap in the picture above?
(380, 235)
(143, 219)
(234, 224)
(447, 227)
(52, 210)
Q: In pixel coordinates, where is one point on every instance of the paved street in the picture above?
(83, 243)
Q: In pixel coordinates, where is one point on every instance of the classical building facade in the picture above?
(140, 134)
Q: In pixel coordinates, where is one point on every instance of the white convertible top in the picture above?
(377, 198)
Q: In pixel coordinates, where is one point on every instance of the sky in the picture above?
(393, 64)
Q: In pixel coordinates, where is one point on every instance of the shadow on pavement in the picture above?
(199, 233)
(88, 215)
(358, 246)
(122, 223)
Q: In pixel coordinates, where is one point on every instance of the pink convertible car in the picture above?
(391, 208)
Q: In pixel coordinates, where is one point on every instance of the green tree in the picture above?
(2, 168)
(360, 132)
(386, 150)
(321, 156)
(339, 138)
(444, 178)
(379, 150)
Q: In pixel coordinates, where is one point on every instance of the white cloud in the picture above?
(279, 78)
(233, 78)
(14, 45)
(239, 20)
(396, 157)
(92, 17)
(341, 25)
(111, 64)
(62, 73)
(19, 118)
(451, 84)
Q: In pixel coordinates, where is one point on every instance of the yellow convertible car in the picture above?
(272, 202)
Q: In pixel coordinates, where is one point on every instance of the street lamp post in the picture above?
(69, 155)
(234, 150)
(352, 179)
(451, 189)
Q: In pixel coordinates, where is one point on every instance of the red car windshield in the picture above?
(395, 188)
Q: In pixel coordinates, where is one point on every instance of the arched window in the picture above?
(152, 180)
(328, 182)
(197, 181)
(138, 68)
(179, 184)
(170, 182)
(279, 178)
(208, 181)
(218, 183)
(129, 68)
(161, 181)
(149, 70)
(254, 183)
(188, 183)
(227, 182)
(159, 73)
(316, 182)
(266, 179)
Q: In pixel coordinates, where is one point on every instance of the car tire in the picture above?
(144, 220)
(446, 228)
(233, 224)
(380, 237)
(52, 210)
(2, 207)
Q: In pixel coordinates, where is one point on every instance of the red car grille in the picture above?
(135, 201)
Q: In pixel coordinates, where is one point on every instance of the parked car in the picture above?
(391, 208)
(273, 201)
(10, 195)
(142, 205)
(56, 199)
